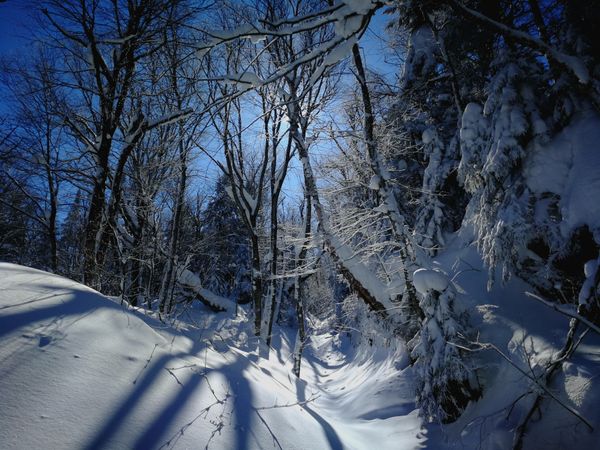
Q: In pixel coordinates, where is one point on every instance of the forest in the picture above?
(343, 224)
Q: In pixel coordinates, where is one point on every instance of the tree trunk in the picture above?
(257, 287)
(358, 285)
(385, 193)
(276, 185)
(298, 282)
(93, 226)
(169, 278)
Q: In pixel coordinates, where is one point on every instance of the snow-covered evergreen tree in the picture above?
(493, 142)
(445, 378)
(225, 263)
(432, 221)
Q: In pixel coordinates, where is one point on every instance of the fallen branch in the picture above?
(566, 312)
(287, 405)
(488, 346)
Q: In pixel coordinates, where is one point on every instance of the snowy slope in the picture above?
(529, 333)
(79, 371)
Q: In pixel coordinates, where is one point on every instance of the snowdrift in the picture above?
(78, 370)
(531, 335)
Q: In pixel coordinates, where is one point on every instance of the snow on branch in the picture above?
(190, 280)
(169, 118)
(566, 311)
(376, 291)
(570, 62)
(350, 19)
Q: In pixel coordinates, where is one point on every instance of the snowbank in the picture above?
(79, 371)
(426, 280)
(530, 334)
(569, 166)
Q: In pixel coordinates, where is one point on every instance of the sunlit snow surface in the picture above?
(78, 370)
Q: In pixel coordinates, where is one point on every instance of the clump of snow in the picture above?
(244, 79)
(471, 117)
(374, 182)
(340, 52)
(347, 26)
(590, 267)
(589, 290)
(362, 7)
(569, 165)
(576, 65)
(426, 280)
(190, 280)
(428, 135)
(257, 38)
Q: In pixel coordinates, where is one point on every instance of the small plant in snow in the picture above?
(444, 385)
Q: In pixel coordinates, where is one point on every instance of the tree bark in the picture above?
(385, 192)
(298, 282)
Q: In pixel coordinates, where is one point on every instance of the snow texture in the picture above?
(81, 371)
(426, 280)
(569, 166)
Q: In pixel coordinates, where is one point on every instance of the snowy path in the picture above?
(79, 371)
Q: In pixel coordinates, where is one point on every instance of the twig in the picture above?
(146, 365)
(564, 311)
(488, 346)
(287, 405)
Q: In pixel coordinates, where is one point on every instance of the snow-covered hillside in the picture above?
(78, 370)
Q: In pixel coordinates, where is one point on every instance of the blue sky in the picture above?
(16, 25)
(14, 18)
(15, 21)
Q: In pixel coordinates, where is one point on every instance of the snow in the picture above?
(429, 135)
(190, 280)
(340, 52)
(374, 182)
(81, 371)
(530, 333)
(249, 199)
(170, 118)
(569, 165)
(361, 7)
(257, 38)
(245, 79)
(589, 290)
(590, 267)
(348, 26)
(426, 280)
(360, 272)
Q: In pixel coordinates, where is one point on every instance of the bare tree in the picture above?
(105, 44)
(40, 134)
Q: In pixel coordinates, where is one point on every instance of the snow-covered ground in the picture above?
(78, 370)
